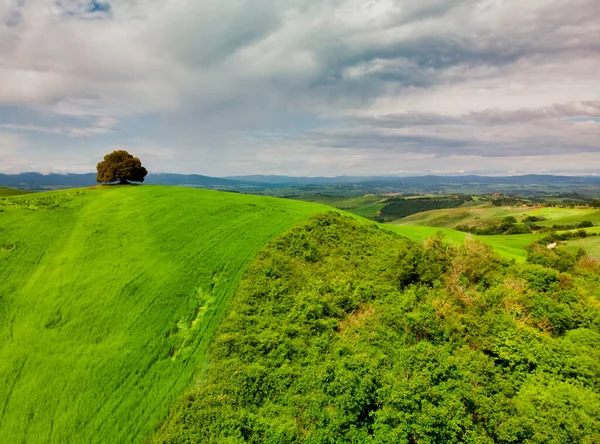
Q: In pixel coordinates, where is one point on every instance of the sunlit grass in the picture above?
(108, 300)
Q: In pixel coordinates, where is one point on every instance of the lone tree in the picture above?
(120, 166)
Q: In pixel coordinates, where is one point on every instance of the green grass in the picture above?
(6, 192)
(590, 244)
(367, 206)
(510, 247)
(567, 215)
(419, 233)
(108, 300)
(422, 225)
(483, 213)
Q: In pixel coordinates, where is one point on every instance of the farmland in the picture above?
(108, 300)
(511, 246)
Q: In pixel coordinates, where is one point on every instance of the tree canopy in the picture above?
(120, 166)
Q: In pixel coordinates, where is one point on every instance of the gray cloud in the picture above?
(216, 82)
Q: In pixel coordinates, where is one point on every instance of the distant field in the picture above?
(510, 247)
(6, 192)
(567, 215)
(590, 244)
(419, 226)
(108, 300)
(471, 215)
(366, 206)
(419, 233)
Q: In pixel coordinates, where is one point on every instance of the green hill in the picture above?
(108, 298)
(6, 192)
(422, 225)
(343, 332)
(484, 213)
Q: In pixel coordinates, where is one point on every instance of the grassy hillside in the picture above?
(367, 206)
(342, 332)
(108, 298)
(6, 192)
(483, 213)
(422, 225)
(509, 247)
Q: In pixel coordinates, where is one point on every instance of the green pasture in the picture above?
(567, 215)
(108, 300)
(419, 233)
(6, 192)
(471, 215)
(590, 244)
(508, 246)
(483, 213)
(366, 206)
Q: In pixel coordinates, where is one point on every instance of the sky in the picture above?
(302, 87)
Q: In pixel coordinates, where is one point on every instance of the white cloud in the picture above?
(210, 80)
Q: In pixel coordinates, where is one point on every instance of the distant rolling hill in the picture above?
(267, 184)
(6, 192)
(37, 181)
(108, 300)
(428, 179)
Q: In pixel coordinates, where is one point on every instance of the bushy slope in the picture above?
(343, 332)
(108, 298)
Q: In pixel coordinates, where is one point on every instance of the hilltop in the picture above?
(108, 299)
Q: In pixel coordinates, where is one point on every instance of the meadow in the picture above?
(110, 296)
(108, 300)
(422, 225)
(6, 192)
(367, 206)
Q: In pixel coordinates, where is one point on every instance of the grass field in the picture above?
(483, 213)
(510, 247)
(6, 192)
(366, 206)
(108, 298)
(422, 225)
(590, 244)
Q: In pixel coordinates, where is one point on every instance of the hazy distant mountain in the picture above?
(525, 180)
(37, 181)
(257, 183)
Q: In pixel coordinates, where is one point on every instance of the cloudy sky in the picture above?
(302, 87)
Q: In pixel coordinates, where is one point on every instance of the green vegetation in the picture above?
(398, 207)
(384, 208)
(367, 206)
(108, 300)
(6, 192)
(344, 332)
(484, 220)
(120, 166)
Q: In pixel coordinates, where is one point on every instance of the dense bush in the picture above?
(343, 332)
